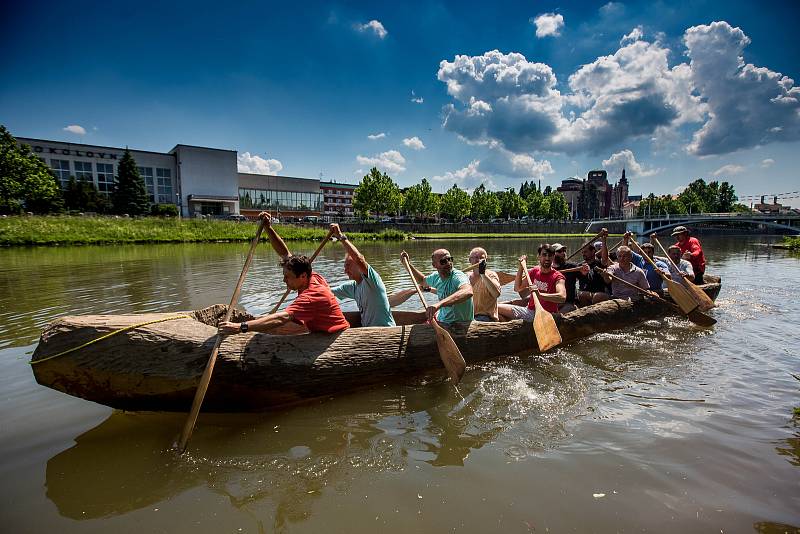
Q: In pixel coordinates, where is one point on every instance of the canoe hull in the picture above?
(158, 366)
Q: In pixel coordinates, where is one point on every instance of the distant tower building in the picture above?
(619, 196)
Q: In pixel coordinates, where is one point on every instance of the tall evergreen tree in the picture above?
(130, 193)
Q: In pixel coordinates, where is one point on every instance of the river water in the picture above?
(664, 427)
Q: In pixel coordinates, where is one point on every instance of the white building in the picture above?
(197, 179)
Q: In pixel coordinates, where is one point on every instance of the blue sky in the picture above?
(457, 92)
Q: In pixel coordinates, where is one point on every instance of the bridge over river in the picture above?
(788, 222)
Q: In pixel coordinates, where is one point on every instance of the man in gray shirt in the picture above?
(625, 270)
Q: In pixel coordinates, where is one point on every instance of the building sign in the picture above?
(79, 153)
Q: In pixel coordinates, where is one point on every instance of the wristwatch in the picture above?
(243, 327)
(342, 237)
(425, 288)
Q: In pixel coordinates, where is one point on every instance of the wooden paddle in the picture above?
(696, 316)
(677, 291)
(205, 380)
(547, 334)
(312, 258)
(448, 350)
(703, 300)
(505, 278)
(584, 245)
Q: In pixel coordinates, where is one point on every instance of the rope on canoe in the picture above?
(110, 334)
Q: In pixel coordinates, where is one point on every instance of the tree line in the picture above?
(27, 184)
(377, 194)
(698, 197)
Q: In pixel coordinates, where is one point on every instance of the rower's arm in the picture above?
(463, 293)
(277, 243)
(492, 284)
(261, 324)
(604, 250)
(351, 249)
(560, 296)
(521, 282)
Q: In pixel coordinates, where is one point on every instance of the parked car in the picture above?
(386, 220)
(235, 217)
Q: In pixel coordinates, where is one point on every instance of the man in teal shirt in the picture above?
(451, 285)
(365, 285)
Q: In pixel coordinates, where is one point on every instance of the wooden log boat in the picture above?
(154, 361)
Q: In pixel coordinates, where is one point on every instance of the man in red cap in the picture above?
(691, 251)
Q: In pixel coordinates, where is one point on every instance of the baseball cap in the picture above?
(557, 246)
(679, 230)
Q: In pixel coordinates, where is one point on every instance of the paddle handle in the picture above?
(536, 303)
(205, 380)
(665, 253)
(416, 285)
(313, 257)
(649, 260)
(576, 251)
(634, 286)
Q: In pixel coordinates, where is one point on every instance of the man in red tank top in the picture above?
(547, 282)
(315, 306)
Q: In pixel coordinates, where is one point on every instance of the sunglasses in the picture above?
(445, 260)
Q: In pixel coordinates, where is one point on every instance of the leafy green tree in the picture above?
(25, 180)
(130, 194)
(511, 204)
(535, 205)
(485, 204)
(456, 203)
(558, 208)
(420, 201)
(376, 193)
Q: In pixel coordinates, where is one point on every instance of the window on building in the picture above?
(164, 178)
(61, 170)
(105, 177)
(147, 175)
(83, 171)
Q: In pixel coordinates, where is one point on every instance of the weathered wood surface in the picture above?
(157, 366)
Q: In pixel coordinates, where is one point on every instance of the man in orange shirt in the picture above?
(315, 306)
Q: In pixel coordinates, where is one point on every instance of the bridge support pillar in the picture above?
(637, 227)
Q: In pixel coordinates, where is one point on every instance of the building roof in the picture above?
(23, 139)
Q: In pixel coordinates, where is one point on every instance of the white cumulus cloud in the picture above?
(75, 128)
(467, 178)
(506, 163)
(374, 26)
(390, 161)
(747, 105)
(255, 164)
(636, 34)
(727, 170)
(625, 159)
(373, 137)
(416, 99)
(548, 24)
(767, 163)
(414, 143)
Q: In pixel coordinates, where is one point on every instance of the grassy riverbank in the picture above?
(67, 230)
(792, 243)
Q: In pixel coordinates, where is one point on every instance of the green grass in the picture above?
(69, 230)
(792, 242)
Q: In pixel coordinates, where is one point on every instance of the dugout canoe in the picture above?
(153, 362)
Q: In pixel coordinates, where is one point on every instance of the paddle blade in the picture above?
(701, 319)
(703, 301)
(681, 296)
(544, 326)
(449, 353)
(505, 278)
